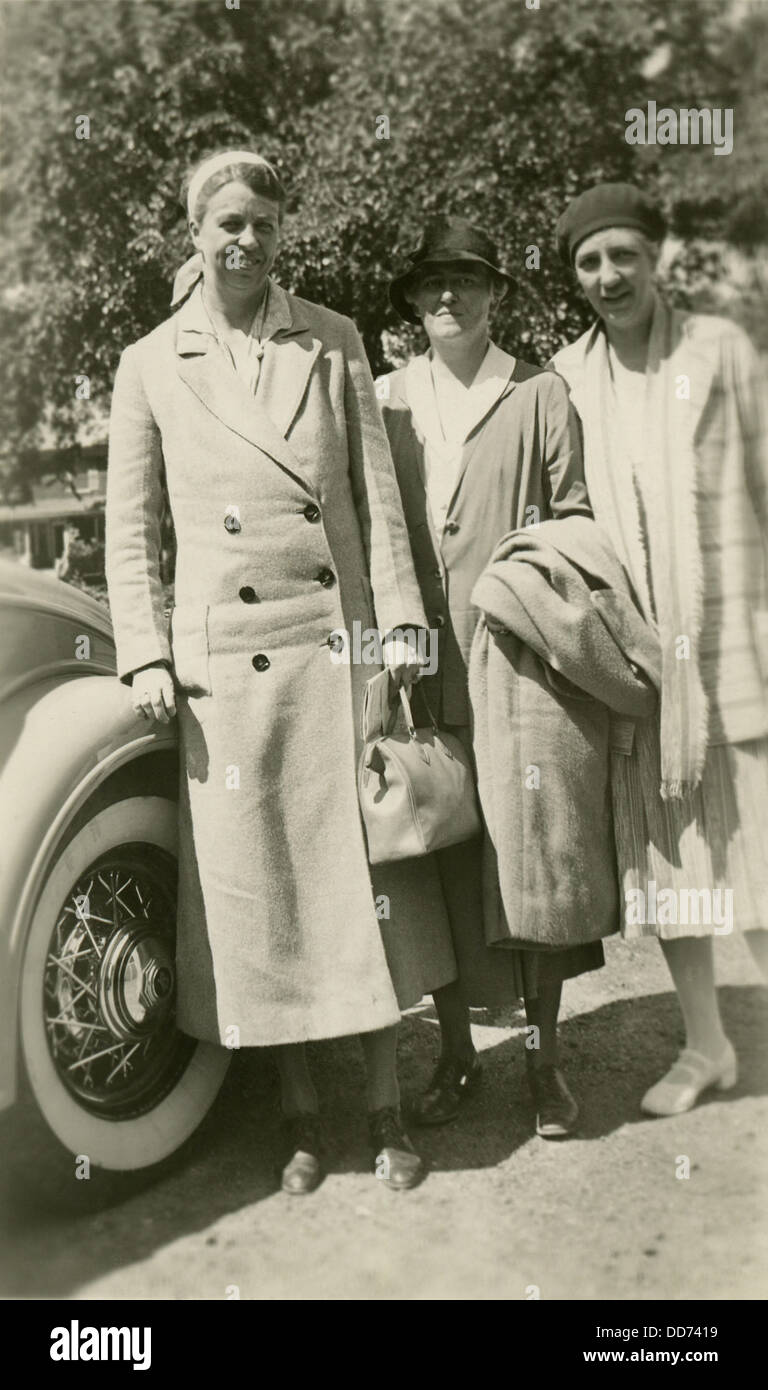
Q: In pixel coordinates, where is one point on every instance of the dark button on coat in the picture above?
(283, 931)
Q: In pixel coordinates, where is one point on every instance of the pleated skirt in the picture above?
(697, 867)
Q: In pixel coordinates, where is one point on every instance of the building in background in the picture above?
(39, 531)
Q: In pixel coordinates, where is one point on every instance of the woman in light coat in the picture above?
(675, 444)
(483, 443)
(257, 411)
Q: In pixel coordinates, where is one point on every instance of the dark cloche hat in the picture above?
(445, 239)
(607, 205)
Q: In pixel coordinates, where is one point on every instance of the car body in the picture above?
(88, 795)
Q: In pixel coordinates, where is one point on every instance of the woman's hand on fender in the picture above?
(153, 693)
(402, 659)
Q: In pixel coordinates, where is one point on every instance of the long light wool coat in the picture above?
(278, 930)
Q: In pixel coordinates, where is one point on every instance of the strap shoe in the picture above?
(451, 1083)
(691, 1074)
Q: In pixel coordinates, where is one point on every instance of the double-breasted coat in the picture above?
(289, 527)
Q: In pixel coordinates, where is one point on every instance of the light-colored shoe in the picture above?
(691, 1074)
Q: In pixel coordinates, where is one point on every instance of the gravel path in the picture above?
(502, 1214)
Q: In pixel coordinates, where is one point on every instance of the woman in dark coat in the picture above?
(483, 444)
(257, 411)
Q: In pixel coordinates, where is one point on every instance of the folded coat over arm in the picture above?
(569, 651)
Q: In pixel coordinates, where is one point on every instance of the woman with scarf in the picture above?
(483, 444)
(672, 407)
(258, 413)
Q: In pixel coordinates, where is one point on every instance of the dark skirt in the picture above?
(491, 976)
(494, 975)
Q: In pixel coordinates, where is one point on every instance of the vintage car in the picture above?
(88, 890)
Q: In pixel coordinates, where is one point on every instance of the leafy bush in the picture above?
(495, 111)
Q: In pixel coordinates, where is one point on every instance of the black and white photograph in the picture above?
(384, 662)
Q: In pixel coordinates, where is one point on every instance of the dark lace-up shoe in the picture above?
(303, 1149)
(451, 1083)
(556, 1110)
(395, 1160)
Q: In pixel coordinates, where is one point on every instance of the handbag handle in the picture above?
(408, 713)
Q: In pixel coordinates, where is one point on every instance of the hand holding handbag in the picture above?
(417, 790)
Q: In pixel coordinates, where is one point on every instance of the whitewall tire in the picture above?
(111, 1075)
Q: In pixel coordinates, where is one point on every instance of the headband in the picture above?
(212, 165)
(188, 275)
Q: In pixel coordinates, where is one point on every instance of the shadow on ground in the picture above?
(60, 1234)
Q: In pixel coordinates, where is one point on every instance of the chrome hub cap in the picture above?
(136, 981)
(109, 984)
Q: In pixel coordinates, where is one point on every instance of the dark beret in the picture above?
(607, 205)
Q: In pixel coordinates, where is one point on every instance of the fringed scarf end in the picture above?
(678, 791)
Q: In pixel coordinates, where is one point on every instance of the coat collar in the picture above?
(263, 420)
(193, 320)
(492, 384)
(493, 379)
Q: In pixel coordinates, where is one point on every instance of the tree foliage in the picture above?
(94, 228)
(495, 111)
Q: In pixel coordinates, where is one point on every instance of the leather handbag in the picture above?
(417, 790)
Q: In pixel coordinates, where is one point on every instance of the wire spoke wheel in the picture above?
(109, 1071)
(109, 984)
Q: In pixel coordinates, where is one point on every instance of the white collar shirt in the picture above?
(446, 414)
(243, 351)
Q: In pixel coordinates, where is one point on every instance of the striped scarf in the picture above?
(651, 516)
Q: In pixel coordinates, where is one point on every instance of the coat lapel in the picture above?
(285, 374)
(491, 393)
(494, 384)
(420, 398)
(265, 419)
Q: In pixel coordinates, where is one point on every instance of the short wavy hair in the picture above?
(261, 178)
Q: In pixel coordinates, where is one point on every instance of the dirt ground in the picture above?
(502, 1214)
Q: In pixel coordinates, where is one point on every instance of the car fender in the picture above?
(59, 741)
